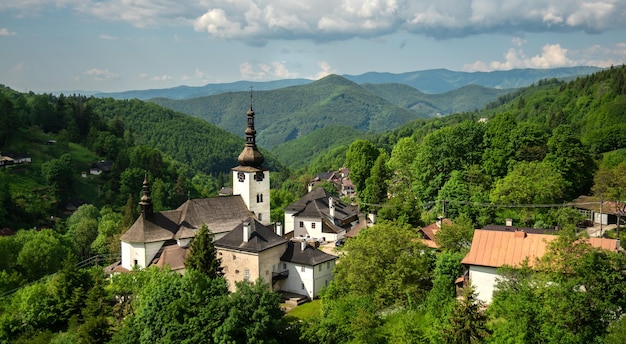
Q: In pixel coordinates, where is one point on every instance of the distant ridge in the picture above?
(186, 92)
(436, 81)
(432, 81)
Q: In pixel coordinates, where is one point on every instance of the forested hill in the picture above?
(195, 142)
(67, 135)
(464, 99)
(291, 112)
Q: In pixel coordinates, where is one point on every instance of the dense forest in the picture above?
(523, 157)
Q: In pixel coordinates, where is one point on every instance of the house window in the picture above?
(302, 268)
(327, 265)
(320, 268)
(302, 286)
(312, 224)
(284, 266)
(246, 275)
(327, 283)
(301, 224)
(259, 198)
(136, 262)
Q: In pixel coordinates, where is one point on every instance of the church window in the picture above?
(259, 198)
(259, 176)
(301, 224)
(260, 216)
(246, 275)
(241, 176)
(312, 224)
(302, 286)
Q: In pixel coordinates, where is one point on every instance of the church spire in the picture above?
(250, 156)
(146, 200)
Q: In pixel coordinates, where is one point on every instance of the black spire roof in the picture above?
(250, 156)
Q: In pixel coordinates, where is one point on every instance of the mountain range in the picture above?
(430, 81)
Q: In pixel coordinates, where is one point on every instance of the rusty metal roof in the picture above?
(497, 248)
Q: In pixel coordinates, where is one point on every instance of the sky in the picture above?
(119, 45)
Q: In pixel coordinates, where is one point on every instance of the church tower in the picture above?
(250, 179)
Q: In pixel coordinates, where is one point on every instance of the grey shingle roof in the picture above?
(309, 256)
(261, 238)
(315, 204)
(162, 226)
(220, 214)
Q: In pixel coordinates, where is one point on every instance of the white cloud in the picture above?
(101, 74)
(261, 71)
(326, 70)
(257, 21)
(6, 32)
(553, 56)
(163, 77)
(107, 37)
(18, 68)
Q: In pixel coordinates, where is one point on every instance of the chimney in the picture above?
(519, 233)
(246, 231)
(331, 208)
(439, 221)
(509, 222)
(279, 229)
(303, 245)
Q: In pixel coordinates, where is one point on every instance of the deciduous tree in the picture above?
(360, 158)
(387, 262)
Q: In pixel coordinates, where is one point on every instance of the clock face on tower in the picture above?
(241, 176)
(259, 176)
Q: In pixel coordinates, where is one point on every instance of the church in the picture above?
(248, 245)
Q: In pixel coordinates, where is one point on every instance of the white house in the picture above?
(318, 214)
(253, 251)
(309, 269)
(492, 249)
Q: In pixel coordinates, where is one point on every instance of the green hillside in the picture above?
(292, 112)
(299, 152)
(464, 99)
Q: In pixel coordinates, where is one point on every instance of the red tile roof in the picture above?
(498, 248)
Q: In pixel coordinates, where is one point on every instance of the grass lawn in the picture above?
(305, 311)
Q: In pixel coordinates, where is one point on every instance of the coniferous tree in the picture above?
(130, 213)
(468, 320)
(203, 255)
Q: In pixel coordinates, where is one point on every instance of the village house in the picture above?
(102, 166)
(429, 232)
(502, 245)
(318, 214)
(597, 211)
(249, 246)
(8, 158)
(340, 179)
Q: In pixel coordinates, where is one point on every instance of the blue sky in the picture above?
(118, 45)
